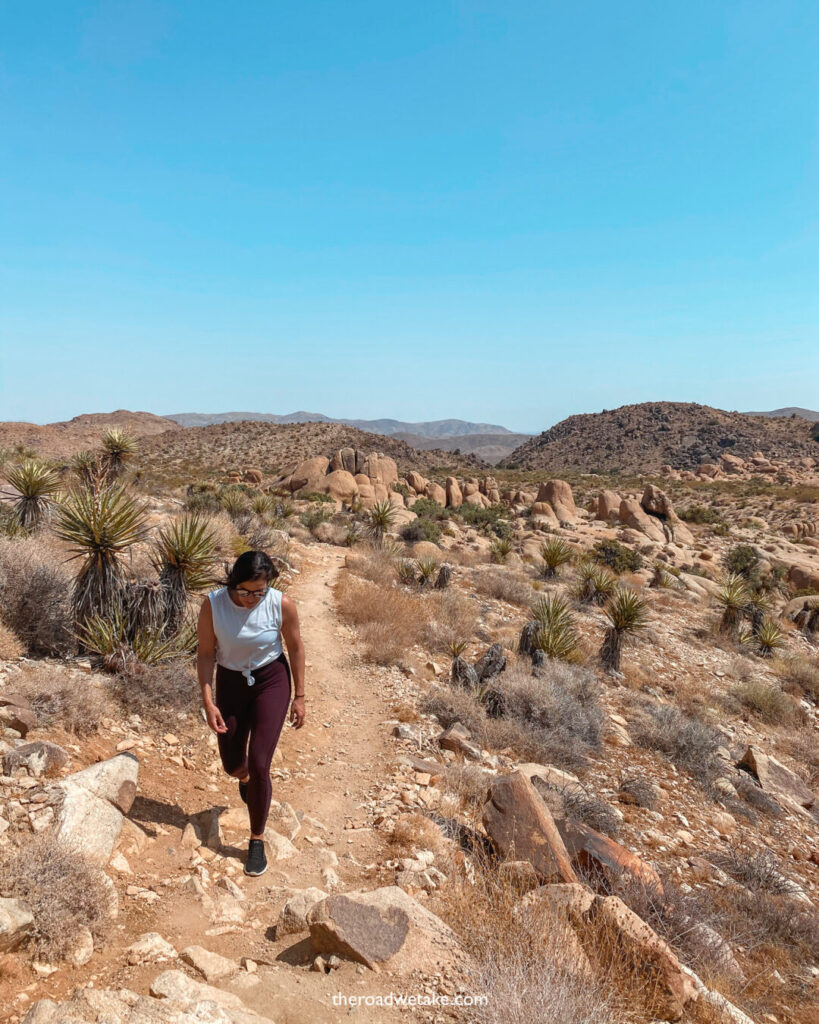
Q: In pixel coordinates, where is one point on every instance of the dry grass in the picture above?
(372, 564)
(62, 700)
(63, 892)
(504, 585)
(35, 596)
(389, 620)
(468, 784)
(687, 742)
(799, 675)
(768, 701)
(524, 963)
(448, 616)
(413, 832)
(11, 646)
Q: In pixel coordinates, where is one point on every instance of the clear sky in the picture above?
(498, 211)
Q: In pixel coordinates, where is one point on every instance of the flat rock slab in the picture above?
(777, 780)
(210, 965)
(593, 852)
(521, 827)
(384, 928)
(38, 758)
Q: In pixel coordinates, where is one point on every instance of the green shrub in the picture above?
(492, 520)
(312, 517)
(618, 557)
(743, 559)
(428, 508)
(706, 515)
(317, 496)
(422, 529)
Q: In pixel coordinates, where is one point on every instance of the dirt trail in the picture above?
(326, 771)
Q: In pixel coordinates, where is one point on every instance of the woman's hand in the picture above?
(297, 712)
(215, 720)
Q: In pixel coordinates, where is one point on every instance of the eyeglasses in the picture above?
(241, 592)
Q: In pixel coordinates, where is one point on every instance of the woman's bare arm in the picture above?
(205, 660)
(295, 652)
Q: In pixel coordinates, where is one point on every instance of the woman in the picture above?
(241, 626)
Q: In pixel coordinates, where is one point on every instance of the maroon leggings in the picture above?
(257, 712)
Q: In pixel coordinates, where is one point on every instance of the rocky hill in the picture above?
(791, 410)
(642, 438)
(64, 438)
(204, 452)
(489, 447)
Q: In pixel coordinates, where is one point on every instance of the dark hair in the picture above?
(252, 565)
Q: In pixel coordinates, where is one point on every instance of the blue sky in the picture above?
(500, 212)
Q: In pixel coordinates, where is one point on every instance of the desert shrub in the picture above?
(313, 517)
(203, 503)
(581, 805)
(59, 700)
(413, 832)
(688, 743)
(640, 789)
(428, 508)
(500, 549)
(469, 784)
(618, 557)
(491, 520)
(374, 564)
(504, 585)
(707, 515)
(768, 701)
(756, 867)
(63, 892)
(422, 529)
(155, 692)
(743, 560)
(319, 497)
(35, 597)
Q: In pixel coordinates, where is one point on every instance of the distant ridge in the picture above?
(388, 427)
(792, 410)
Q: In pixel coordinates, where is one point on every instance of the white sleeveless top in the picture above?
(246, 638)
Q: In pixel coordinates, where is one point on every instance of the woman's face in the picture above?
(250, 592)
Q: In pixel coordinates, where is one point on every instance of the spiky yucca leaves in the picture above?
(234, 502)
(457, 647)
(500, 549)
(284, 509)
(661, 577)
(555, 635)
(380, 518)
(108, 636)
(554, 552)
(183, 555)
(427, 568)
(262, 505)
(733, 595)
(36, 485)
(769, 637)
(406, 570)
(100, 527)
(9, 523)
(86, 467)
(595, 583)
(118, 448)
(627, 613)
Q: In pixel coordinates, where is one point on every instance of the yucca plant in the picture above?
(108, 636)
(261, 505)
(9, 523)
(36, 485)
(457, 647)
(380, 519)
(284, 509)
(183, 556)
(406, 570)
(99, 527)
(554, 552)
(555, 635)
(757, 609)
(144, 606)
(627, 613)
(234, 502)
(769, 637)
(118, 448)
(427, 568)
(352, 536)
(500, 549)
(86, 467)
(661, 577)
(733, 595)
(595, 584)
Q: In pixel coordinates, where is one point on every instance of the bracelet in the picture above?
(298, 696)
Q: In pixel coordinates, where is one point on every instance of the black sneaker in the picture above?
(256, 863)
(243, 791)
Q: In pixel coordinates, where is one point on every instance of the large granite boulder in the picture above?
(95, 800)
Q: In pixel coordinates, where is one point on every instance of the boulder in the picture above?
(293, 916)
(804, 576)
(657, 503)
(339, 484)
(381, 469)
(22, 719)
(593, 853)
(308, 475)
(639, 952)
(344, 459)
(384, 929)
(778, 781)
(212, 966)
(435, 492)
(633, 516)
(253, 476)
(37, 759)
(543, 510)
(559, 495)
(521, 827)
(16, 924)
(95, 800)
(417, 482)
(608, 504)
(477, 499)
(454, 495)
